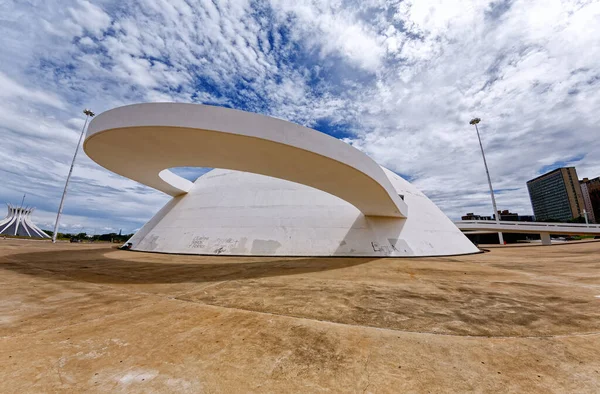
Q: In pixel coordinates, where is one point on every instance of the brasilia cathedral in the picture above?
(18, 223)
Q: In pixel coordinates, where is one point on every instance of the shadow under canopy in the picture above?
(106, 266)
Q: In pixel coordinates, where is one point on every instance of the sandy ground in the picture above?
(78, 317)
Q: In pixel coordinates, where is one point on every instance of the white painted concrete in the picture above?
(542, 228)
(282, 189)
(529, 227)
(238, 213)
(546, 240)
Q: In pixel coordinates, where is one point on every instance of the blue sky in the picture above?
(398, 80)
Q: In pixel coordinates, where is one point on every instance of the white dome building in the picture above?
(281, 190)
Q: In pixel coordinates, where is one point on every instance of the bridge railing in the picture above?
(541, 225)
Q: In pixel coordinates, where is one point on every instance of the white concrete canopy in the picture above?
(143, 141)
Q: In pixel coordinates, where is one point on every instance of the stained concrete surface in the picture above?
(81, 317)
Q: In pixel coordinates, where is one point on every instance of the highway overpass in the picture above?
(544, 229)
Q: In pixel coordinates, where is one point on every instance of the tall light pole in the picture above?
(88, 114)
(474, 122)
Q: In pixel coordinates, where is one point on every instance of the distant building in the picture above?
(503, 215)
(590, 189)
(515, 217)
(507, 215)
(472, 216)
(556, 195)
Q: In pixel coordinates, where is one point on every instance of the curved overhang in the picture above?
(143, 141)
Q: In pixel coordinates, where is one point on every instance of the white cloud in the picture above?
(89, 17)
(86, 41)
(333, 29)
(12, 90)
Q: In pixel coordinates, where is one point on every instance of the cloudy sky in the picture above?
(397, 79)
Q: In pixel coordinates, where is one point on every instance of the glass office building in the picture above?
(556, 195)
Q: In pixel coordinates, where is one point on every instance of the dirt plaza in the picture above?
(85, 317)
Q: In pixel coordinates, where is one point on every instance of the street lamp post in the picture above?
(88, 114)
(474, 122)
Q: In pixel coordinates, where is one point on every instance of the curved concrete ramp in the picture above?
(143, 141)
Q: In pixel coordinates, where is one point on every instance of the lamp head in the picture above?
(474, 121)
(89, 113)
